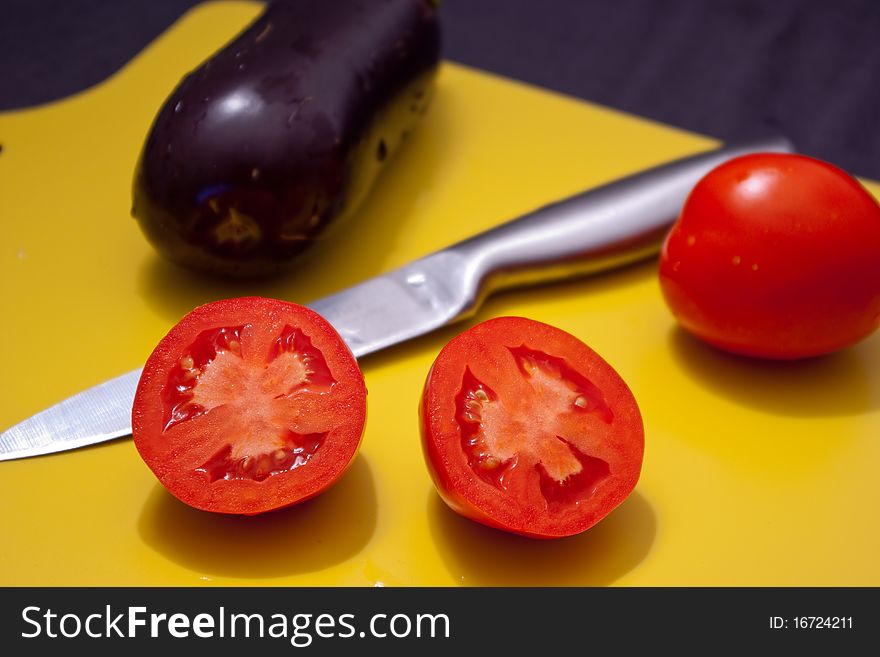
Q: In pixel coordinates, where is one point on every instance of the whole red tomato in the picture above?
(776, 256)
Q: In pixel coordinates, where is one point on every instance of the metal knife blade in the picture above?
(100, 413)
(604, 227)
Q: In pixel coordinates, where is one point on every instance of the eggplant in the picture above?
(283, 132)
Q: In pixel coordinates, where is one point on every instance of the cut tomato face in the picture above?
(526, 429)
(249, 405)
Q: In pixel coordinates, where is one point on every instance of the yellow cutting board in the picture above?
(754, 474)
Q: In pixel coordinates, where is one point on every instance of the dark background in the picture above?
(731, 69)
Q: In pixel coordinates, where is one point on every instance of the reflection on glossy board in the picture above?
(752, 475)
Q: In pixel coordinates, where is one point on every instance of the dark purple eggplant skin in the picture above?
(283, 132)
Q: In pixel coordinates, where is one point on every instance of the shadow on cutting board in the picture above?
(303, 538)
(833, 385)
(481, 556)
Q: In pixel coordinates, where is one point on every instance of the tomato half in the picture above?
(249, 405)
(775, 256)
(527, 429)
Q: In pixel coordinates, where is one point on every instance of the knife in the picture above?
(601, 228)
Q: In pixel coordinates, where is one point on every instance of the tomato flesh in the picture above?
(212, 373)
(249, 405)
(544, 437)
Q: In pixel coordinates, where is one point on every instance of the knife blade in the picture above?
(601, 228)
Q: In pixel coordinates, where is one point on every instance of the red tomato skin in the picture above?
(775, 256)
(248, 497)
(472, 498)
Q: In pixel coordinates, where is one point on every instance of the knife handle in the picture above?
(604, 227)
